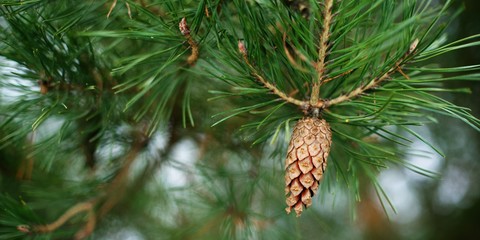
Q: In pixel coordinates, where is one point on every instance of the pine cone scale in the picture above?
(306, 162)
(305, 165)
(307, 198)
(294, 171)
(306, 180)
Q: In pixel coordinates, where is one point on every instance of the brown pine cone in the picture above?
(306, 161)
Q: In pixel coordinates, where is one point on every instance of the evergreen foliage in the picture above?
(99, 98)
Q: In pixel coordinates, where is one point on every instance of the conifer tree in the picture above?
(172, 118)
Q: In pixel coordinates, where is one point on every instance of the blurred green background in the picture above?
(449, 207)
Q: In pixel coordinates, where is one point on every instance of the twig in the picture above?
(405, 75)
(114, 193)
(185, 30)
(73, 211)
(275, 90)
(89, 226)
(374, 82)
(322, 52)
(291, 58)
(111, 8)
(207, 13)
(335, 77)
(129, 11)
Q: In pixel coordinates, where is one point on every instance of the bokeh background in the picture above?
(448, 207)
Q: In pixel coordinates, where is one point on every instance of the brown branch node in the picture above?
(185, 30)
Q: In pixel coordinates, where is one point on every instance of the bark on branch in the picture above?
(267, 84)
(374, 82)
(322, 52)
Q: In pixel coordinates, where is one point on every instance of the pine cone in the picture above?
(306, 162)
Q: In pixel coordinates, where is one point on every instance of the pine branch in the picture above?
(337, 76)
(291, 58)
(374, 82)
(322, 52)
(70, 213)
(267, 84)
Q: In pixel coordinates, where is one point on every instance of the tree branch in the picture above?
(291, 59)
(337, 76)
(71, 212)
(322, 52)
(129, 11)
(275, 90)
(373, 83)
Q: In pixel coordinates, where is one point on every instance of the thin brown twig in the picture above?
(373, 83)
(322, 52)
(405, 75)
(185, 30)
(267, 84)
(290, 57)
(303, 57)
(207, 13)
(89, 226)
(71, 212)
(335, 77)
(111, 8)
(192, 59)
(114, 193)
(129, 11)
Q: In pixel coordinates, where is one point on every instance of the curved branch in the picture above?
(73, 211)
(267, 84)
(374, 82)
(291, 59)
